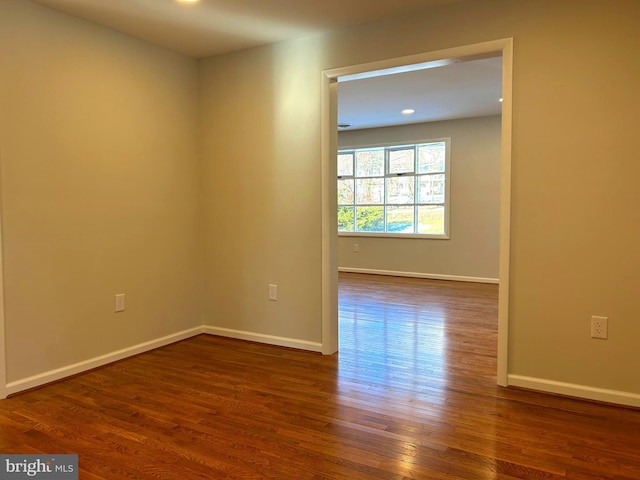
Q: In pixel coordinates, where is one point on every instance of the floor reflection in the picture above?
(402, 335)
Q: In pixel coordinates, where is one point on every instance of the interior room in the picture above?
(164, 165)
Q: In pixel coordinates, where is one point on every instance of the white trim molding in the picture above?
(329, 201)
(3, 354)
(506, 45)
(432, 276)
(574, 390)
(263, 338)
(80, 367)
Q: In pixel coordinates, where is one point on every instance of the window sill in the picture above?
(393, 235)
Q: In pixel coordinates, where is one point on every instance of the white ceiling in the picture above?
(212, 27)
(460, 90)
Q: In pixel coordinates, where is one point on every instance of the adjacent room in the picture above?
(399, 172)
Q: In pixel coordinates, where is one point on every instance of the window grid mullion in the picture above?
(416, 186)
(415, 205)
(386, 199)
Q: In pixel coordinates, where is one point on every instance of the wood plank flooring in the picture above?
(412, 395)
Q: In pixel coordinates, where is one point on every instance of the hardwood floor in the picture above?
(412, 395)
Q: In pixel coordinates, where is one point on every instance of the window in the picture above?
(394, 190)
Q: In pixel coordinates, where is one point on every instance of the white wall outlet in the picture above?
(600, 327)
(120, 302)
(273, 292)
(356, 247)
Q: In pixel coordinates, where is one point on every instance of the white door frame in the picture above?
(3, 334)
(329, 194)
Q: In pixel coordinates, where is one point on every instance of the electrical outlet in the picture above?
(273, 292)
(356, 247)
(600, 327)
(120, 302)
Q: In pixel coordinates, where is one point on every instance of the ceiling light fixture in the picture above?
(408, 111)
(187, 1)
(501, 100)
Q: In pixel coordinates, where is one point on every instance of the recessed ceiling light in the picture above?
(187, 1)
(408, 111)
(501, 100)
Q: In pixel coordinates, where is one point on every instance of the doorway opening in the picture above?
(503, 48)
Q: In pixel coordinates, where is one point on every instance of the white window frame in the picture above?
(393, 146)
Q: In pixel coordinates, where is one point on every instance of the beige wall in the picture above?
(472, 247)
(574, 235)
(261, 209)
(100, 188)
(100, 191)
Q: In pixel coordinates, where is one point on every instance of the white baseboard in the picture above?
(540, 384)
(432, 276)
(69, 370)
(574, 390)
(60, 373)
(262, 338)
